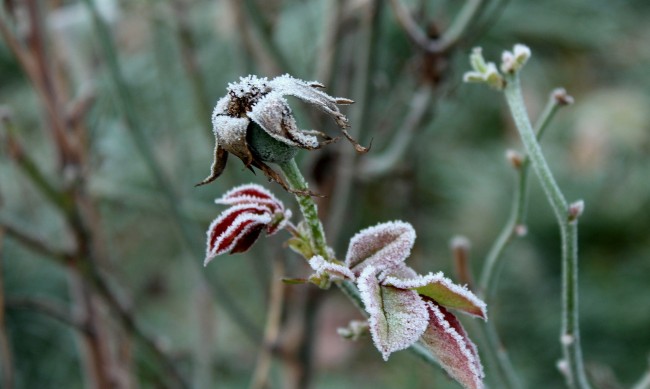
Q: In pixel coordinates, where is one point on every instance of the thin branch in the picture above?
(49, 308)
(263, 32)
(452, 35)
(272, 327)
(6, 355)
(381, 164)
(568, 224)
(516, 221)
(345, 169)
(36, 244)
(134, 125)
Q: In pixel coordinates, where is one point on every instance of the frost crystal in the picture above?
(335, 271)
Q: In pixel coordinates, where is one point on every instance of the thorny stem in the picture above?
(307, 206)
(570, 334)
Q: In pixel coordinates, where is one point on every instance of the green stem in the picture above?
(307, 206)
(576, 376)
(518, 210)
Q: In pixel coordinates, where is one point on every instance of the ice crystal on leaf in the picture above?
(384, 246)
(255, 101)
(332, 270)
(404, 307)
(253, 209)
(447, 340)
(397, 317)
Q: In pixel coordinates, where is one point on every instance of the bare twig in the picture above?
(6, 356)
(272, 328)
(452, 35)
(381, 164)
(345, 170)
(50, 308)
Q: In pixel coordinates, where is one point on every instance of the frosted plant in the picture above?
(254, 122)
(252, 210)
(405, 307)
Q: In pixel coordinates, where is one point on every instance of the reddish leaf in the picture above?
(235, 229)
(397, 317)
(447, 340)
(384, 246)
(443, 291)
(251, 194)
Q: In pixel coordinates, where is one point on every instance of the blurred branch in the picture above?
(452, 35)
(190, 62)
(29, 167)
(345, 169)
(36, 244)
(6, 356)
(385, 162)
(272, 327)
(136, 131)
(264, 33)
(50, 309)
(328, 48)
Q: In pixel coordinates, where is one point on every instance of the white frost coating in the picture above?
(397, 318)
(273, 114)
(249, 85)
(256, 219)
(229, 130)
(242, 195)
(333, 270)
(439, 278)
(455, 360)
(385, 246)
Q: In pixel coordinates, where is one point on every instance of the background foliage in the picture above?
(176, 58)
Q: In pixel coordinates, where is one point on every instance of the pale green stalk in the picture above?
(570, 334)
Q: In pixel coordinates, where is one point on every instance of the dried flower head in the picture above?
(252, 210)
(255, 104)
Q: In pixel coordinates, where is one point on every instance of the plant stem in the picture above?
(518, 211)
(570, 335)
(307, 206)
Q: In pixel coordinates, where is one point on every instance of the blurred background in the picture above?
(105, 108)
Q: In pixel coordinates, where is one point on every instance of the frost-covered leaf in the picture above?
(333, 270)
(383, 246)
(251, 194)
(447, 340)
(397, 317)
(236, 229)
(442, 290)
